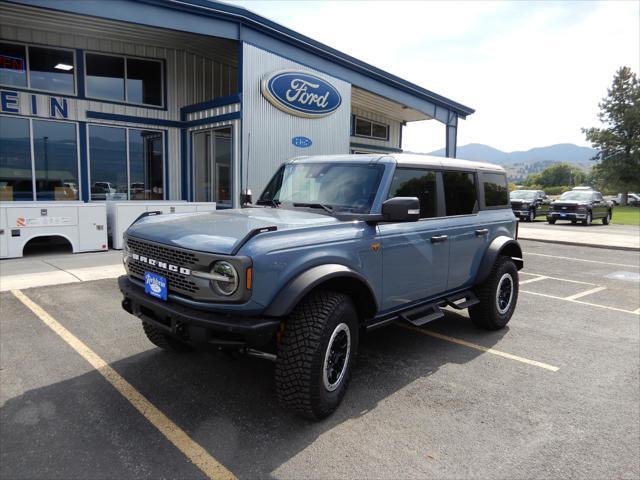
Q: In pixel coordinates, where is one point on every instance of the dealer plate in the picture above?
(155, 285)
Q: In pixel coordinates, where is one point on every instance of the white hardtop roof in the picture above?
(404, 160)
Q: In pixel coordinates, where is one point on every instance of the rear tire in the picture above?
(498, 296)
(316, 353)
(164, 341)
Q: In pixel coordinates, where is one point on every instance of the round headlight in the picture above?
(228, 283)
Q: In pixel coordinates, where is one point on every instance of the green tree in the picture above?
(557, 175)
(618, 143)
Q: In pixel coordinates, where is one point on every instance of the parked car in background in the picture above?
(580, 205)
(528, 204)
(633, 199)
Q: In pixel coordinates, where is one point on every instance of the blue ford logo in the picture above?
(302, 142)
(299, 93)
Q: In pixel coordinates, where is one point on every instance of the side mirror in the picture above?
(401, 209)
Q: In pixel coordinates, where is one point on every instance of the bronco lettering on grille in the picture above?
(157, 263)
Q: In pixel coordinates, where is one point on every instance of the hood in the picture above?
(221, 231)
(570, 202)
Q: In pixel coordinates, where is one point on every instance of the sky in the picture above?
(533, 71)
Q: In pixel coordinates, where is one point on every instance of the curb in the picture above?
(579, 244)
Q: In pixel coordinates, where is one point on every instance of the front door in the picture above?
(212, 156)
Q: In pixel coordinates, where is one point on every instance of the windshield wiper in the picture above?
(327, 208)
(271, 202)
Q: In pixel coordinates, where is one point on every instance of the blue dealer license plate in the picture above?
(155, 285)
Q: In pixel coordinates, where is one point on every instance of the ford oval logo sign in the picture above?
(302, 142)
(300, 93)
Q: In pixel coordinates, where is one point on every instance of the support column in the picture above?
(451, 135)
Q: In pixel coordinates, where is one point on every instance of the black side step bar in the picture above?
(469, 297)
(421, 315)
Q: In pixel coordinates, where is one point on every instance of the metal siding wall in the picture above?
(189, 79)
(394, 129)
(267, 131)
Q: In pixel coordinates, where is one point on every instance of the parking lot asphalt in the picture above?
(556, 394)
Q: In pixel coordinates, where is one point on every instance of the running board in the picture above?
(422, 315)
(469, 297)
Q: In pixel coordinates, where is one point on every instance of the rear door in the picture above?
(415, 254)
(600, 207)
(466, 238)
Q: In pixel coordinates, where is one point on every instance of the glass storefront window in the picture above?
(105, 76)
(51, 69)
(108, 157)
(15, 160)
(145, 164)
(144, 81)
(13, 65)
(56, 160)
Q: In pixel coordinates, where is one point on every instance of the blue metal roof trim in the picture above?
(252, 20)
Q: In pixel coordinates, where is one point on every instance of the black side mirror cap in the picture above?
(401, 209)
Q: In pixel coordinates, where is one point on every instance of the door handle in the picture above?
(439, 238)
(482, 232)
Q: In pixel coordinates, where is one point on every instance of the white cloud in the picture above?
(534, 71)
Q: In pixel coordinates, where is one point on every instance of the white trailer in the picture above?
(120, 215)
(83, 225)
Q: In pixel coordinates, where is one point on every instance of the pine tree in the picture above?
(618, 144)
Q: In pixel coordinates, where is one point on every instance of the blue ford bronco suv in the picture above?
(335, 246)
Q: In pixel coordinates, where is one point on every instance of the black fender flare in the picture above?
(294, 291)
(500, 245)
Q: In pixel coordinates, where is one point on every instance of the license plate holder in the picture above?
(155, 285)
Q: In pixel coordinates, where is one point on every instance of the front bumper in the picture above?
(521, 212)
(196, 326)
(567, 215)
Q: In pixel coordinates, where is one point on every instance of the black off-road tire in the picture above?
(532, 215)
(587, 221)
(164, 341)
(607, 219)
(300, 363)
(551, 221)
(487, 313)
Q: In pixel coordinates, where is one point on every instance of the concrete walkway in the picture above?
(618, 237)
(55, 269)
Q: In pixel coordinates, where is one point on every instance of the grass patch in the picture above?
(626, 216)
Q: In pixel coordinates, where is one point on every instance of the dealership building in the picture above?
(182, 100)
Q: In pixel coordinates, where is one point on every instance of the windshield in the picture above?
(576, 195)
(523, 194)
(342, 187)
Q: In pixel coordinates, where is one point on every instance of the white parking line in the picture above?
(632, 312)
(531, 280)
(556, 278)
(582, 260)
(492, 351)
(584, 294)
(189, 447)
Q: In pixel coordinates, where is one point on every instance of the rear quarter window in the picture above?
(496, 192)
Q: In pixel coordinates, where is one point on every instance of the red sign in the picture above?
(11, 63)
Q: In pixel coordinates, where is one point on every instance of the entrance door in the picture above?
(212, 152)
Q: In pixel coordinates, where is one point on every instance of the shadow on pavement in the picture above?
(83, 428)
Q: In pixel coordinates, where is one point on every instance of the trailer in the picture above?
(122, 214)
(83, 225)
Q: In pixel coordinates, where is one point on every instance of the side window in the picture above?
(416, 183)
(460, 193)
(495, 189)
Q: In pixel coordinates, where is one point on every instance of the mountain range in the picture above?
(519, 164)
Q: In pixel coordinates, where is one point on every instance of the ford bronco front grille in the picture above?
(177, 282)
(166, 254)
